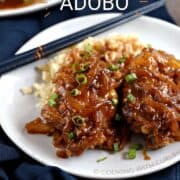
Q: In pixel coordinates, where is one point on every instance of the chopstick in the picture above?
(52, 47)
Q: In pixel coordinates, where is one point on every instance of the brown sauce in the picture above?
(146, 156)
(87, 120)
(11, 4)
(154, 108)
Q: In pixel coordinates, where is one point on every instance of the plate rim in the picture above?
(99, 176)
(28, 9)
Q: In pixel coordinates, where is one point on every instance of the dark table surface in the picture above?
(14, 32)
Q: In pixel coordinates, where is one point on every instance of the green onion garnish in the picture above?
(71, 135)
(113, 67)
(101, 159)
(136, 146)
(79, 68)
(52, 102)
(84, 67)
(54, 96)
(116, 147)
(52, 99)
(81, 79)
(78, 120)
(75, 92)
(131, 98)
(122, 60)
(131, 154)
(130, 77)
(75, 67)
(118, 117)
(88, 48)
(115, 101)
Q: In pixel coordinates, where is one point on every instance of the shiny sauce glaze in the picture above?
(83, 115)
(10, 4)
(146, 156)
(95, 98)
(151, 103)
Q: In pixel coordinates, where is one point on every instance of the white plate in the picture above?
(17, 109)
(28, 9)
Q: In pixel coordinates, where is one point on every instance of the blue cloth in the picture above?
(14, 31)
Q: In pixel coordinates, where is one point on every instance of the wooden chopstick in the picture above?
(52, 47)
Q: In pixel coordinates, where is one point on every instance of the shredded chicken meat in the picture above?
(151, 103)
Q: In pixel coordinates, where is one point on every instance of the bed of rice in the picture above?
(127, 45)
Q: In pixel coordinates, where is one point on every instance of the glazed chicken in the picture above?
(151, 97)
(81, 113)
(103, 94)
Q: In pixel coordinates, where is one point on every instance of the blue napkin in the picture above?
(14, 164)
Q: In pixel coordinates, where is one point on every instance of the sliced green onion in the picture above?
(113, 67)
(116, 147)
(118, 117)
(101, 159)
(136, 146)
(81, 79)
(79, 68)
(130, 77)
(131, 98)
(122, 60)
(131, 154)
(84, 67)
(75, 92)
(88, 48)
(71, 135)
(115, 101)
(78, 120)
(75, 66)
(52, 99)
(52, 102)
(54, 96)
